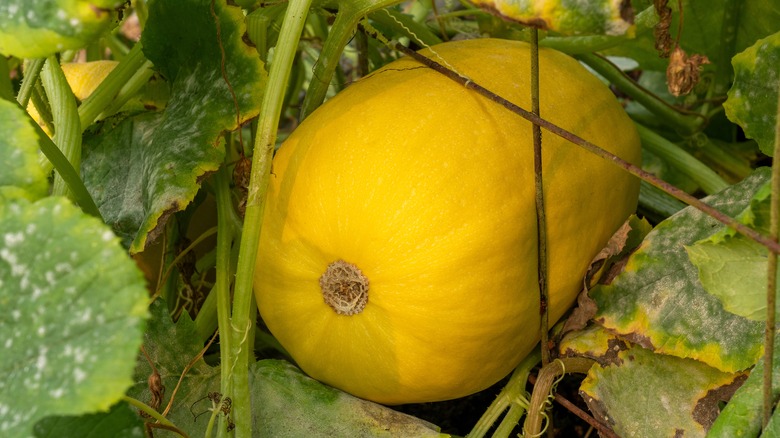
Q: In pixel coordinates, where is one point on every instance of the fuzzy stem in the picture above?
(66, 120)
(31, 74)
(633, 169)
(513, 394)
(105, 93)
(350, 13)
(771, 293)
(265, 140)
(222, 284)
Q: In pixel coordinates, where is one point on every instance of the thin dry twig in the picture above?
(186, 370)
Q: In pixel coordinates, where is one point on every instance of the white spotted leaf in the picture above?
(147, 167)
(73, 305)
(20, 174)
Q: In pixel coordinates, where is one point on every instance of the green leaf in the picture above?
(659, 303)
(752, 99)
(644, 394)
(20, 174)
(166, 156)
(73, 309)
(288, 403)
(733, 267)
(120, 422)
(171, 346)
(741, 418)
(39, 28)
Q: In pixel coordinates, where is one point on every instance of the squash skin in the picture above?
(428, 189)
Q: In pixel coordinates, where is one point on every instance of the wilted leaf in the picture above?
(167, 155)
(20, 174)
(659, 303)
(36, 29)
(288, 403)
(73, 308)
(653, 395)
(593, 342)
(752, 101)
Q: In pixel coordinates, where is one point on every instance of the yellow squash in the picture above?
(397, 258)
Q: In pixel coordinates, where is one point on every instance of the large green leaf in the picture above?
(733, 267)
(73, 309)
(288, 403)
(20, 174)
(752, 101)
(150, 166)
(39, 28)
(659, 303)
(643, 394)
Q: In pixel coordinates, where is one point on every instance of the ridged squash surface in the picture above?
(427, 188)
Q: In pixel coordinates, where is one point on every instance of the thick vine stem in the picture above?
(686, 163)
(685, 123)
(771, 294)
(222, 285)
(512, 395)
(66, 120)
(265, 140)
(31, 73)
(105, 94)
(349, 15)
(548, 376)
(598, 151)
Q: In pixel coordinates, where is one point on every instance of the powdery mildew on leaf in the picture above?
(659, 303)
(676, 397)
(74, 306)
(19, 169)
(164, 157)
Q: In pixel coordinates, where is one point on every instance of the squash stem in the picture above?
(686, 123)
(350, 13)
(66, 120)
(771, 294)
(265, 140)
(222, 285)
(686, 163)
(513, 394)
(31, 73)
